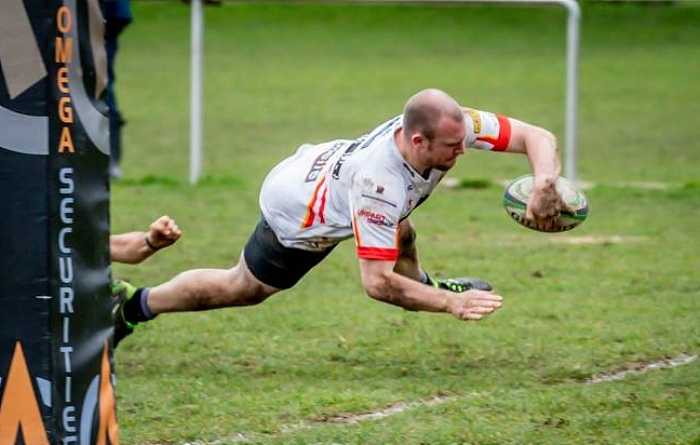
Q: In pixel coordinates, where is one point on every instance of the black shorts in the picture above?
(276, 265)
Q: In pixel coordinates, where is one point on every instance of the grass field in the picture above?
(289, 371)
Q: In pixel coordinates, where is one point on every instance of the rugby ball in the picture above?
(518, 192)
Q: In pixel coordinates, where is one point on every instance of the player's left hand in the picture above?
(546, 205)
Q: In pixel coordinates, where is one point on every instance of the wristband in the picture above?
(149, 243)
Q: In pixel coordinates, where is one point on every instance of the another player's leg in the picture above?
(121, 293)
(189, 291)
(265, 267)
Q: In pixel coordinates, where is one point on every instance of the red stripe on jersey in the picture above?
(322, 207)
(377, 253)
(373, 253)
(501, 142)
(310, 215)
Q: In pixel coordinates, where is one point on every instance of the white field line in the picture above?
(392, 410)
(399, 408)
(641, 368)
(598, 239)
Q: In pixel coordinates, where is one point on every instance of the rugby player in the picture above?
(365, 189)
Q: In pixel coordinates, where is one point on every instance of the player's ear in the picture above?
(418, 139)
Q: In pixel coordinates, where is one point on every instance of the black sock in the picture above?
(133, 309)
(425, 278)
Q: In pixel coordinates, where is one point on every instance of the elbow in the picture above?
(541, 146)
(374, 291)
(387, 290)
(543, 137)
(378, 287)
(551, 139)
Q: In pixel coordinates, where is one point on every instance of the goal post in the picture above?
(572, 57)
(56, 351)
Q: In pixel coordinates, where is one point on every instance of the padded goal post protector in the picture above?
(56, 378)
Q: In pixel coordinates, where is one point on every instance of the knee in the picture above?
(245, 289)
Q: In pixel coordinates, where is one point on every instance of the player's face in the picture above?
(447, 144)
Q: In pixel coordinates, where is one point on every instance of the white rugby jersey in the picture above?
(329, 192)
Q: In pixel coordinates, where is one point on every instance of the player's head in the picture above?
(434, 123)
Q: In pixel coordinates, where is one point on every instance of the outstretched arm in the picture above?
(134, 247)
(383, 284)
(540, 147)
(489, 131)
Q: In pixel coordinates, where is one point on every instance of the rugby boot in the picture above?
(462, 284)
(122, 292)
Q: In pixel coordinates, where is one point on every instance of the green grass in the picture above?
(280, 75)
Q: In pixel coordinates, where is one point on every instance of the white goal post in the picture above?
(572, 56)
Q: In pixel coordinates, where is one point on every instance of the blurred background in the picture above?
(279, 74)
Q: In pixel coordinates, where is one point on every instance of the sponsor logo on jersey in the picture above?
(375, 218)
(321, 161)
(476, 120)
